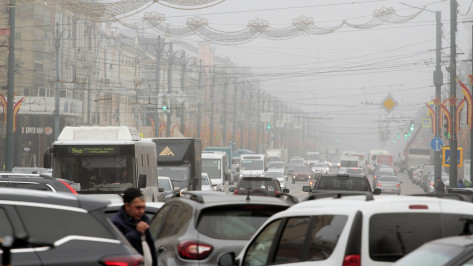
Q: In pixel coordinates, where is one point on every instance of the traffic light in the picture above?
(268, 126)
(394, 141)
(398, 136)
(164, 103)
(412, 125)
(405, 136)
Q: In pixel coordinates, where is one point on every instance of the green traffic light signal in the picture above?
(405, 136)
(268, 126)
(394, 141)
(164, 108)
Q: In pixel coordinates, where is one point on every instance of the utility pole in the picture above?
(11, 86)
(438, 81)
(453, 93)
(235, 94)
(242, 108)
(200, 69)
(225, 93)
(471, 130)
(249, 120)
(159, 49)
(212, 106)
(258, 120)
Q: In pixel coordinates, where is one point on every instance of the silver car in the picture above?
(389, 184)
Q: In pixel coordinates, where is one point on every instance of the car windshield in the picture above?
(273, 174)
(164, 183)
(265, 184)
(252, 164)
(388, 179)
(356, 171)
(276, 165)
(234, 222)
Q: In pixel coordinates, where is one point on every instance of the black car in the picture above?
(345, 182)
(260, 186)
(195, 228)
(36, 182)
(44, 228)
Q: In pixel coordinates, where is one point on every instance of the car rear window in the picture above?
(233, 222)
(393, 235)
(343, 183)
(388, 179)
(49, 225)
(263, 184)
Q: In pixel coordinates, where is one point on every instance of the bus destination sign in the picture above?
(92, 150)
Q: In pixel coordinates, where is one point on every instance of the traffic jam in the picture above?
(236, 133)
(101, 203)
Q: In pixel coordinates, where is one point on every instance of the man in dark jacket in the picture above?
(133, 223)
(439, 186)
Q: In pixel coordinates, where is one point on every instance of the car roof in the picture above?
(214, 199)
(256, 178)
(458, 241)
(24, 196)
(385, 204)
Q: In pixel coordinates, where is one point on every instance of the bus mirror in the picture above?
(142, 181)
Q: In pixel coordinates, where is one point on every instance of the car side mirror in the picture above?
(142, 181)
(377, 191)
(285, 190)
(306, 189)
(231, 189)
(226, 259)
(160, 189)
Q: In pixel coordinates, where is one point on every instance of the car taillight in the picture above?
(235, 192)
(276, 192)
(379, 184)
(352, 260)
(123, 261)
(375, 177)
(397, 185)
(193, 250)
(68, 186)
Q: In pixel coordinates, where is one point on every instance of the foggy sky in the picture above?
(396, 59)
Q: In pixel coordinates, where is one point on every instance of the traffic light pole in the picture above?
(438, 81)
(453, 83)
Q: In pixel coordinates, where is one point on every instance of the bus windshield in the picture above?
(96, 174)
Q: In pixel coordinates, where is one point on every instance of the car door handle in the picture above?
(161, 249)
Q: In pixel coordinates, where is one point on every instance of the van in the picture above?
(337, 228)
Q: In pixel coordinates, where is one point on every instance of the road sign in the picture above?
(426, 123)
(389, 103)
(446, 157)
(436, 144)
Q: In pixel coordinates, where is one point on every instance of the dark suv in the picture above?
(341, 182)
(60, 229)
(36, 182)
(195, 228)
(258, 186)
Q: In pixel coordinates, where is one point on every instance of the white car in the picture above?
(279, 175)
(207, 183)
(321, 168)
(351, 230)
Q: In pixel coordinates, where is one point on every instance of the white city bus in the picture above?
(106, 160)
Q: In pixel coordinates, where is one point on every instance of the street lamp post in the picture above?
(57, 45)
(183, 84)
(171, 55)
